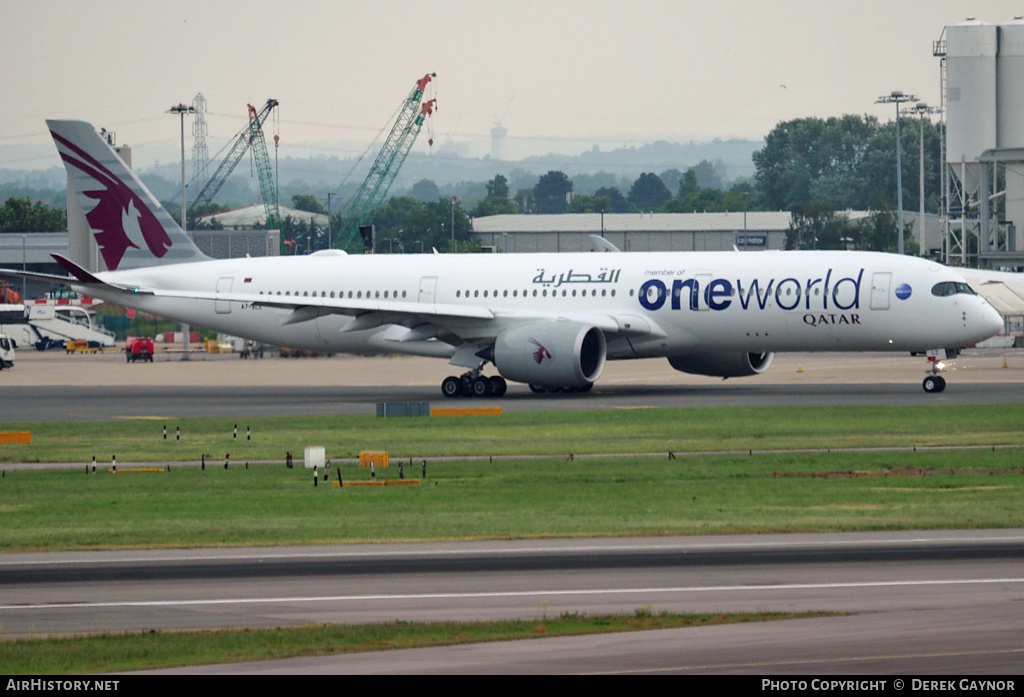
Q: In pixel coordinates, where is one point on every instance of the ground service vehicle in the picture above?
(139, 348)
(6, 352)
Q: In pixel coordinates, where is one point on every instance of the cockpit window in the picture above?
(951, 288)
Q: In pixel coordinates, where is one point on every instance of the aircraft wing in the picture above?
(472, 320)
(80, 277)
(475, 322)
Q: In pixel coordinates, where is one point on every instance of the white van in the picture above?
(6, 352)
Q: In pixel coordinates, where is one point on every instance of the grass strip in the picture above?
(159, 649)
(526, 433)
(267, 505)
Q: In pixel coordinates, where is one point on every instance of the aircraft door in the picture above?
(223, 307)
(427, 287)
(880, 283)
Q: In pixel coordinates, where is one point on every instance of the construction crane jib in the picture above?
(361, 209)
(259, 151)
(242, 142)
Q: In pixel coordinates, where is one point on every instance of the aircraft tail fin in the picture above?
(129, 225)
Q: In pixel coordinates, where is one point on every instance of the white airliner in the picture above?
(548, 320)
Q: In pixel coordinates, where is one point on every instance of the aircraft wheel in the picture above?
(482, 386)
(537, 389)
(934, 383)
(498, 386)
(451, 387)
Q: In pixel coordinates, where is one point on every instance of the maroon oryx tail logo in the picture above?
(120, 218)
(541, 353)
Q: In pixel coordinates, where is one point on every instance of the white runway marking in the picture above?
(513, 594)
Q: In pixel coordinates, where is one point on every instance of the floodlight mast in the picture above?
(920, 109)
(896, 97)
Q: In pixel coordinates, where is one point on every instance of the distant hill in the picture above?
(320, 174)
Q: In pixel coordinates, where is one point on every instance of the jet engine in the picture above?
(551, 354)
(723, 365)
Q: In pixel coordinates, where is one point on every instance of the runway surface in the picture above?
(56, 387)
(921, 603)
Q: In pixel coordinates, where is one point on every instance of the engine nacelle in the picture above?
(551, 354)
(723, 365)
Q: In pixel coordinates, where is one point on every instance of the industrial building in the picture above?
(982, 73)
(659, 232)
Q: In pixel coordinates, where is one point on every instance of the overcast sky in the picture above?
(570, 73)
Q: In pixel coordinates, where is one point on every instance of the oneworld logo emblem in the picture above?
(830, 292)
(903, 291)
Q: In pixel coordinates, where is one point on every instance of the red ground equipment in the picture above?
(139, 348)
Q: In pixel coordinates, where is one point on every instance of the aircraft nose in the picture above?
(992, 321)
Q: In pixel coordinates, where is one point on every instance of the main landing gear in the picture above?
(473, 384)
(934, 383)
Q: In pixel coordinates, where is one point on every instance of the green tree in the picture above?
(822, 227)
(497, 187)
(688, 184)
(846, 162)
(813, 159)
(648, 192)
(414, 226)
(551, 192)
(425, 190)
(671, 178)
(497, 201)
(308, 203)
(524, 202)
(21, 215)
(590, 204)
(616, 200)
(879, 233)
(707, 175)
(196, 221)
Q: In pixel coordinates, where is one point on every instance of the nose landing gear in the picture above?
(935, 383)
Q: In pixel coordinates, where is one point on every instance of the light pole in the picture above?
(896, 97)
(920, 108)
(181, 110)
(453, 226)
(24, 267)
(330, 238)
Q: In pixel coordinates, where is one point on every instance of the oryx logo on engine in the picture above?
(541, 353)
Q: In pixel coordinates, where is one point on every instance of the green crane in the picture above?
(243, 141)
(359, 211)
(259, 151)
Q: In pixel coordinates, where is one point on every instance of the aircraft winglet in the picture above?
(82, 275)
